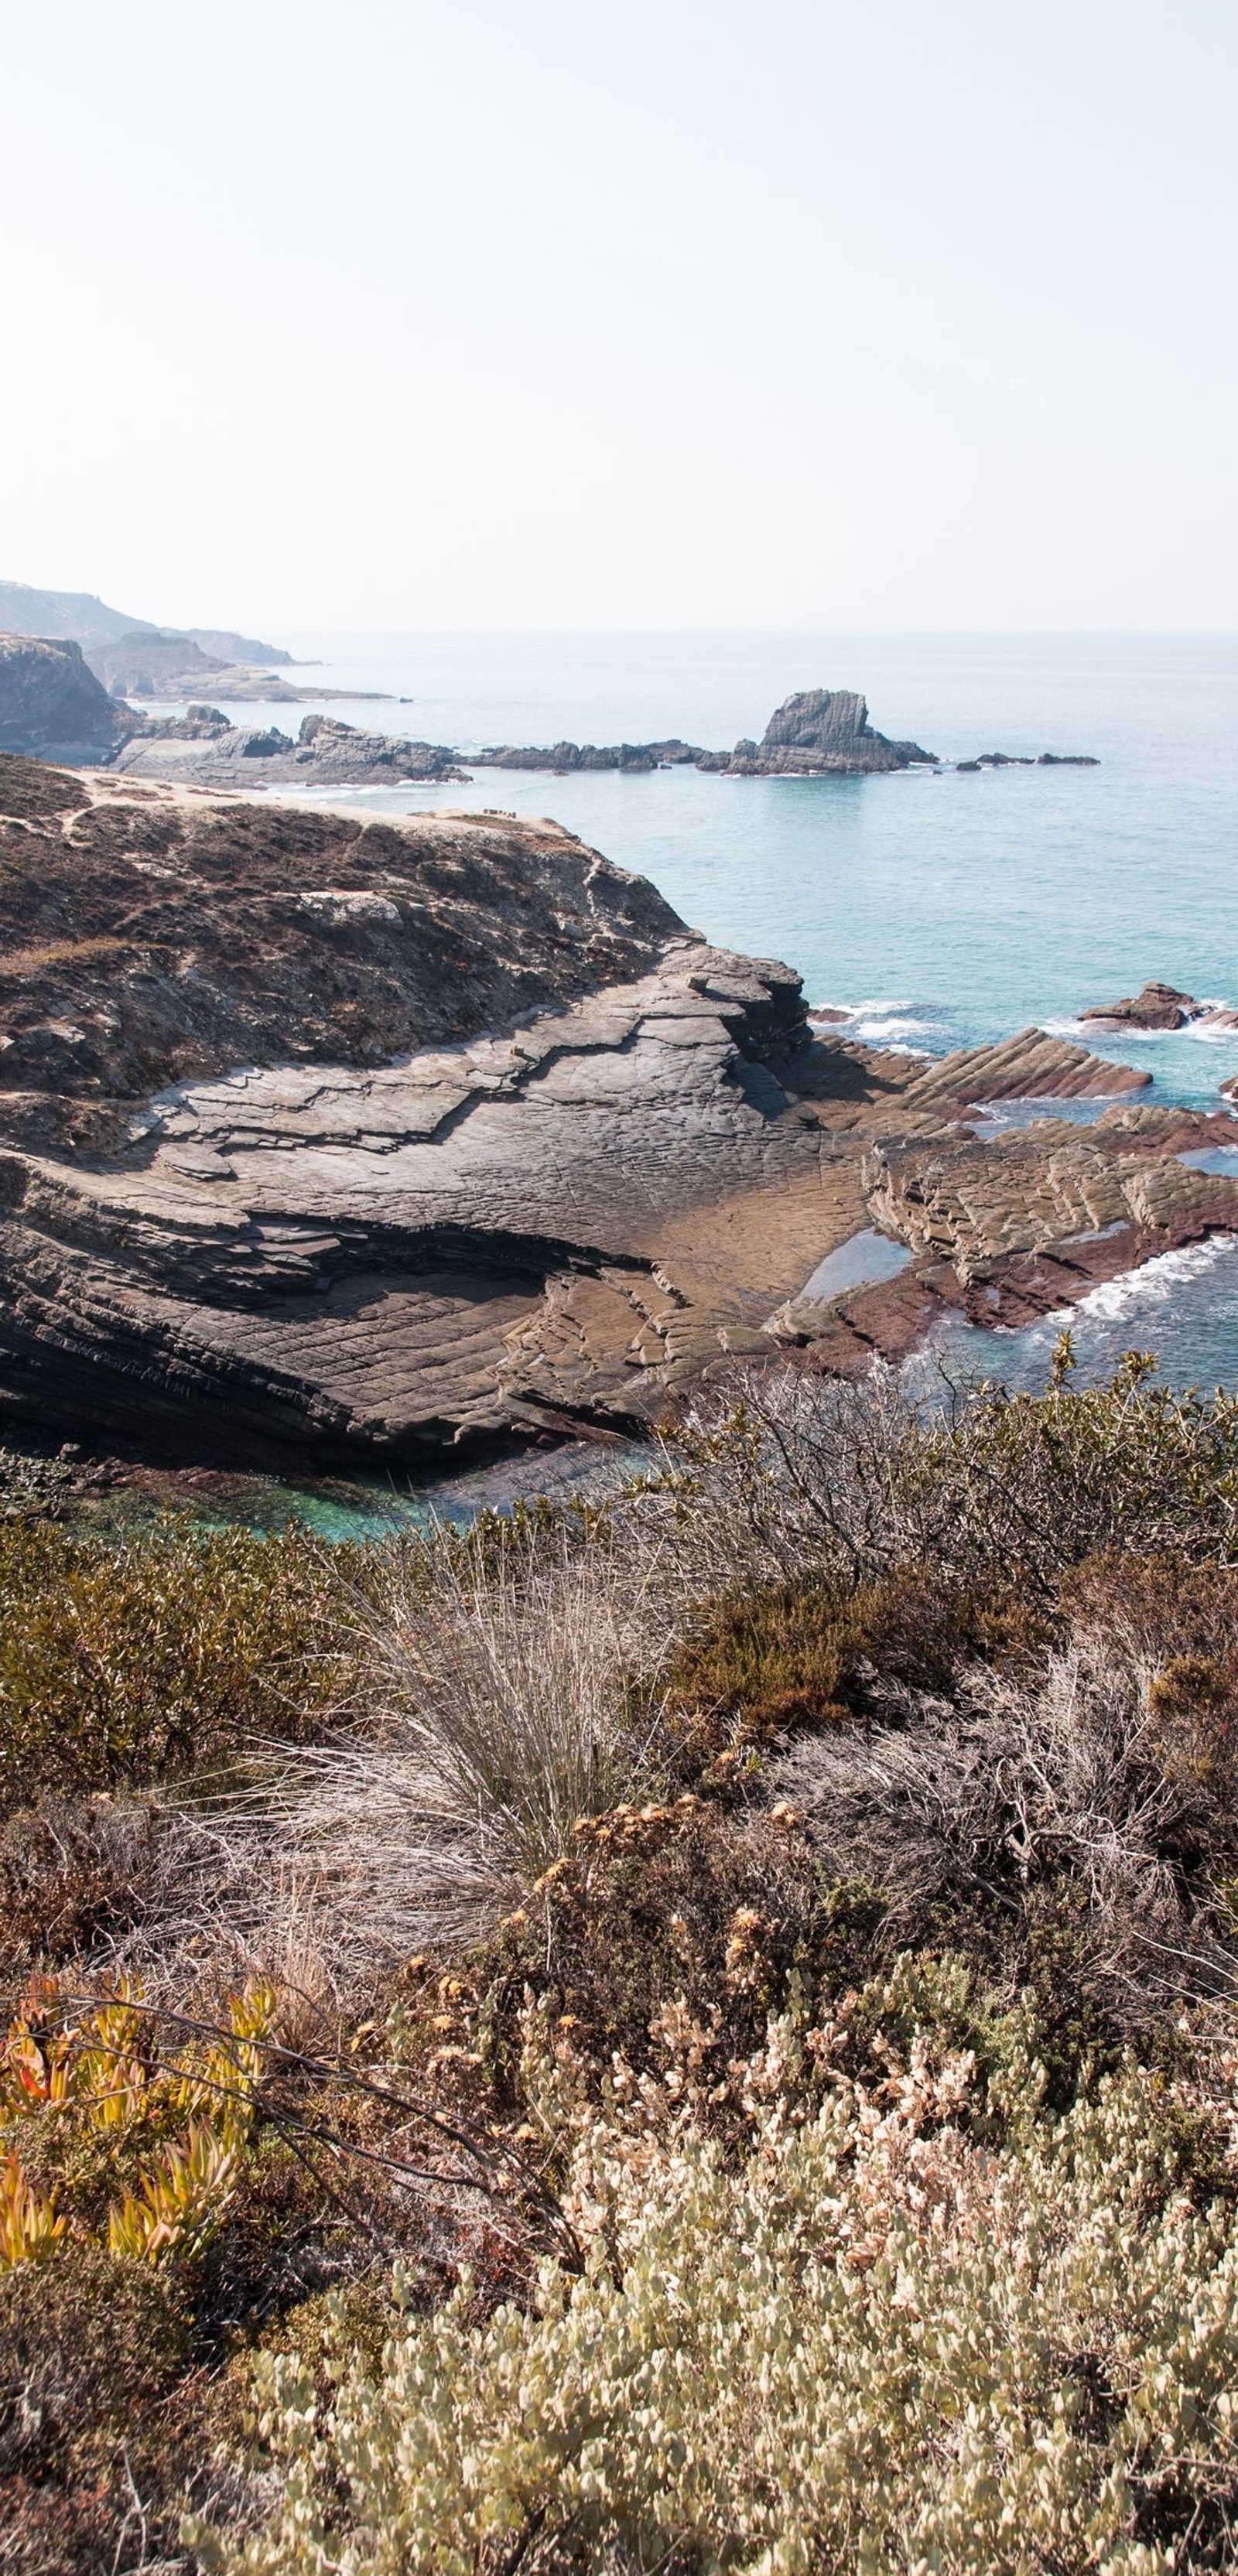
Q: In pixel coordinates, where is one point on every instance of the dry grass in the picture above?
(494, 1704)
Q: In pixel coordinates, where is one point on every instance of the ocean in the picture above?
(947, 909)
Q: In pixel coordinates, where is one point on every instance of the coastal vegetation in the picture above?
(693, 2031)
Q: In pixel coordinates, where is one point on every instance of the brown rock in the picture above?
(1031, 1066)
(1158, 1006)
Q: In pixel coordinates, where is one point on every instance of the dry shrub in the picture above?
(667, 1907)
(77, 1875)
(91, 2351)
(1086, 1772)
(88, 2346)
(495, 1705)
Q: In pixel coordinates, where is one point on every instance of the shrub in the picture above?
(133, 1662)
(1092, 1772)
(110, 2142)
(797, 1655)
(494, 1705)
(875, 2345)
(89, 2345)
(975, 1483)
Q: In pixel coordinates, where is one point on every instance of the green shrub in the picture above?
(799, 1654)
(135, 1662)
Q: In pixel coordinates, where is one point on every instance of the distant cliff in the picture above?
(51, 704)
(77, 617)
(142, 663)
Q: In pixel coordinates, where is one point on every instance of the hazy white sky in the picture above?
(679, 313)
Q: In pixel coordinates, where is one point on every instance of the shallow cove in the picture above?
(339, 1508)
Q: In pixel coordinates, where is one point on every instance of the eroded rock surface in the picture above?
(825, 729)
(347, 1141)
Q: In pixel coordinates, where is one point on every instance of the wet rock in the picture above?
(1158, 1006)
(1029, 1066)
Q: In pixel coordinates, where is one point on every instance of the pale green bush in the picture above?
(878, 2345)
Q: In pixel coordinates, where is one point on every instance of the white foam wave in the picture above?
(1154, 1283)
(886, 1006)
(886, 1029)
(1089, 1033)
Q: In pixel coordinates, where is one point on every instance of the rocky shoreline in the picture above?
(206, 749)
(54, 706)
(329, 1144)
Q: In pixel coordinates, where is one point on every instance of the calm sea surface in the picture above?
(950, 909)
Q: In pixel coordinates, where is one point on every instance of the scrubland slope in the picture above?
(697, 2033)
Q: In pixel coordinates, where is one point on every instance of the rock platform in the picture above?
(348, 1143)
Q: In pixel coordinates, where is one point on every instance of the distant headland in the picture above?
(68, 697)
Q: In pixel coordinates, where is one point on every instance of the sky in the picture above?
(676, 314)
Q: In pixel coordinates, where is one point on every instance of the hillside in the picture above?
(79, 618)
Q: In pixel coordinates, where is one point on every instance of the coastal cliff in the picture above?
(52, 705)
(348, 1140)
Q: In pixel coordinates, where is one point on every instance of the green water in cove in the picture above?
(947, 909)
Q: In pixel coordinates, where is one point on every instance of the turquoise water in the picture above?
(950, 909)
(371, 1507)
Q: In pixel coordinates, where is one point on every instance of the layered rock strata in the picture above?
(345, 1142)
